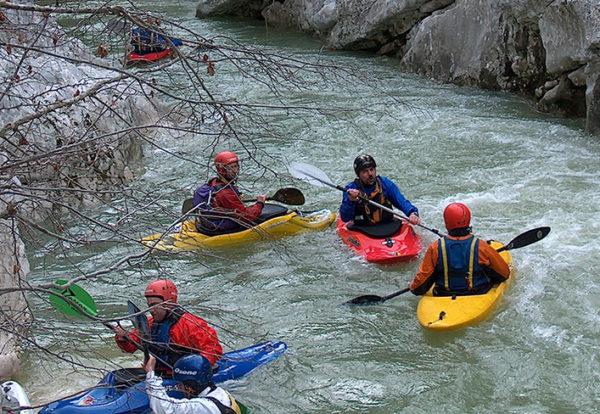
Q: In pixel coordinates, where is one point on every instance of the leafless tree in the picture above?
(76, 117)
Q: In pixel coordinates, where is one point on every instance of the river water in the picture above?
(514, 167)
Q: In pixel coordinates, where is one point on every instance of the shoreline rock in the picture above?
(511, 45)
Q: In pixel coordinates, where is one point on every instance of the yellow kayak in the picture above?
(187, 238)
(448, 312)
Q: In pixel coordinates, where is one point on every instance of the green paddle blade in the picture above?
(243, 408)
(77, 295)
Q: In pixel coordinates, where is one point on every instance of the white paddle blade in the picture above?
(309, 173)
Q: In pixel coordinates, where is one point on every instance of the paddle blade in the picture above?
(365, 300)
(188, 204)
(527, 238)
(289, 195)
(310, 174)
(141, 324)
(139, 321)
(75, 294)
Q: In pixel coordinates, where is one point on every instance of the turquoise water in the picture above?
(515, 168)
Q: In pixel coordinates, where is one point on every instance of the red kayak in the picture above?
(147, 58)
(386, 243)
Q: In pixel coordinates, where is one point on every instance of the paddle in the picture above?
(76, 296)
(522, 240)
(141, 324)
(79, 303)
(288, 195)
(315, 176)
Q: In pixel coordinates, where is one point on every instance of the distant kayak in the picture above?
(454, 312)
(275, 221)
(386, 243)
(133, 59)
(13, 396)
(124, 391)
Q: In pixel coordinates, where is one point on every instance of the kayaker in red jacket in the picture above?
(459, 263)
(218, 202)
(174, 331)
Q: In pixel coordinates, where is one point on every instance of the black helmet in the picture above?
(363, 161)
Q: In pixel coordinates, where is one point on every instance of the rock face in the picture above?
(14, 317)
(548, 50)
(64, 120)
(63, 138)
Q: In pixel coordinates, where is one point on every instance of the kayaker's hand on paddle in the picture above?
(261, 198)
(150, 364)
(121, 333)
(414, 219)
(353, 195)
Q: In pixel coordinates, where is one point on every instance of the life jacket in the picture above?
(166, 353)
(367, 214)
(203, 198)
(458, 267)
(234, 409)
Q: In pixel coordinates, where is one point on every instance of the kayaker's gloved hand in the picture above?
(353, 195)
(414, 219)
(150, 364)
(122, 334)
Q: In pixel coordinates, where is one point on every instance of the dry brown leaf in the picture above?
(102, 51)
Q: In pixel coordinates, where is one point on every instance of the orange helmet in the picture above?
(225, 158)
(162, 288)
(456, 216)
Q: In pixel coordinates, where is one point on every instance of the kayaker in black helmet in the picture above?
(459, 263)
(376, 188)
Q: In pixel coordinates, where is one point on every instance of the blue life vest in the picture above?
(458, 268)
(204, 200)
(166, 353)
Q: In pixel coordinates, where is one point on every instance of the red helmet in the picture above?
(162, 288)
(456, 216)
(225, 158)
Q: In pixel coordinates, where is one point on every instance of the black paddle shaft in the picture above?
(522, 240)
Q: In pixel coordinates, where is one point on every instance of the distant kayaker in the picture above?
(145, 41)
(218, 202)
(376, 188)
(175, 332)
(201, 396)
(459, 263)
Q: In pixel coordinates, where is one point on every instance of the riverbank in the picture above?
(546, 51)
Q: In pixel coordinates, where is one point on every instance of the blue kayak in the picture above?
(124, 391)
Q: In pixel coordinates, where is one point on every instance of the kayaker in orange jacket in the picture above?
(218, 201)
(459, 263)
(174, 331)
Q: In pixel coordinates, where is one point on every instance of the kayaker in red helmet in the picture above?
(379, 189)
(175, 332)
(459, 263)
(218, 201)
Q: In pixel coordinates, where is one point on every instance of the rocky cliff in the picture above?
(548, 50)
(63, 141)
